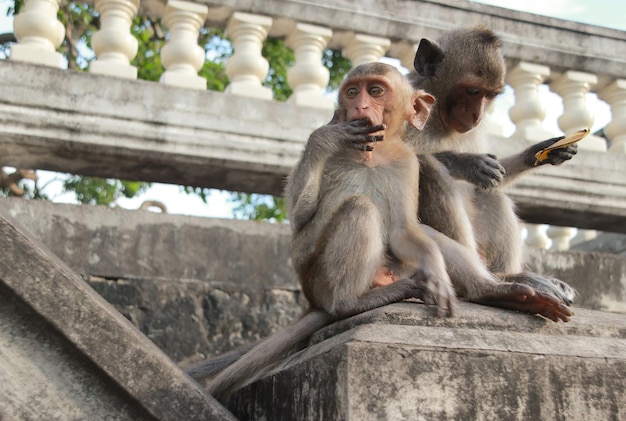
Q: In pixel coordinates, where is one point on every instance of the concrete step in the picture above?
(66, 353)
(399, 362)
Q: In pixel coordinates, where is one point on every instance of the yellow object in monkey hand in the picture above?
(542, 155)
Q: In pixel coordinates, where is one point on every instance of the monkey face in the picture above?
(463, 108)
(366, 97)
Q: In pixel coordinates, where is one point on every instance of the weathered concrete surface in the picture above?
(599, 278)
(195, 286)
(606, 242)
(199, 287)
(151, 132)
(68, 354)
(400, 363)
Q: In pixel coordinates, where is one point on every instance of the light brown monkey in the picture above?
(352, 200)
(465, 72)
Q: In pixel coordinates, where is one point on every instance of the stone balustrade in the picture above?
(574, 60)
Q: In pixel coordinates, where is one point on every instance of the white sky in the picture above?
(608, 13)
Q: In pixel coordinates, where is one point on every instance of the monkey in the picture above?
(465, 71)
(352, 200)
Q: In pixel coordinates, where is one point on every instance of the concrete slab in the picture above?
(66, 353)
(400, 362)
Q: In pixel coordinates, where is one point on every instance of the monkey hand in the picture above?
(435, 290)
(359, 132)
(482, 170)
(554, 157)
(515, 296)
(356, 134)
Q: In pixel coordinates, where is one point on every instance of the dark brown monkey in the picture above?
(352, 200)
(465, 72)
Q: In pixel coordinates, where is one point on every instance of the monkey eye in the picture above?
(491, 95)
(351, 92)
(472, 91)
(376, 90)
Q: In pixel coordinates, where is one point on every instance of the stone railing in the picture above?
(104, 123)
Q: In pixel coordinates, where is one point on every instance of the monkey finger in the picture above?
(449, 298)
(361, 122)
(363, 125)
(536, 303)
(450, 306)
(364, 147)
(546, 143)
(494, 174)
(558, 156)
(371, 129)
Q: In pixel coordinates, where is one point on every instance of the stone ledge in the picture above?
(399, 362)
(147, 131)
(183, 282)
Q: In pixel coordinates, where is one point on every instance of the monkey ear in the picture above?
(422, 103)
(427, 58)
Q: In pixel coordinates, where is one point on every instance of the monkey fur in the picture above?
(352, 201)
(460, 190)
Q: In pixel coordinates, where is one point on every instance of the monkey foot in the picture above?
(526, 299)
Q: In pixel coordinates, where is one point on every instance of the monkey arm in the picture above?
(303, 187)
(482, 170)
(516, 165)
(303, 190)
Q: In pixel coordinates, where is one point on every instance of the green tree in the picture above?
(82, 21)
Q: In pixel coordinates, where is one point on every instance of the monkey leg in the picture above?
(348, 258)
(411, 246)
(443, 205)
(500, 244)
(498, 231)
(349, 255)
(474, 282)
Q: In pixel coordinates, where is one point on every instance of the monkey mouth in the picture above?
(461, 125)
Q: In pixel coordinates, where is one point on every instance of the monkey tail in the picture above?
(250, 366)
(210, 367)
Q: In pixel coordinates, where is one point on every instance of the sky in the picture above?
(607, 13)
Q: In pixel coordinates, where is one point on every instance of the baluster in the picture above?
(39, 33)
(113, 44)
(583, 236)
(308, 77)
(536, 236)
(615, 95)
(572, 87)
(365, 49)
(560, 237)
(528, 111)
(247, 67)
(181, 55)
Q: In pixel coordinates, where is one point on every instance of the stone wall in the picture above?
(200, 286)
(67, 354)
